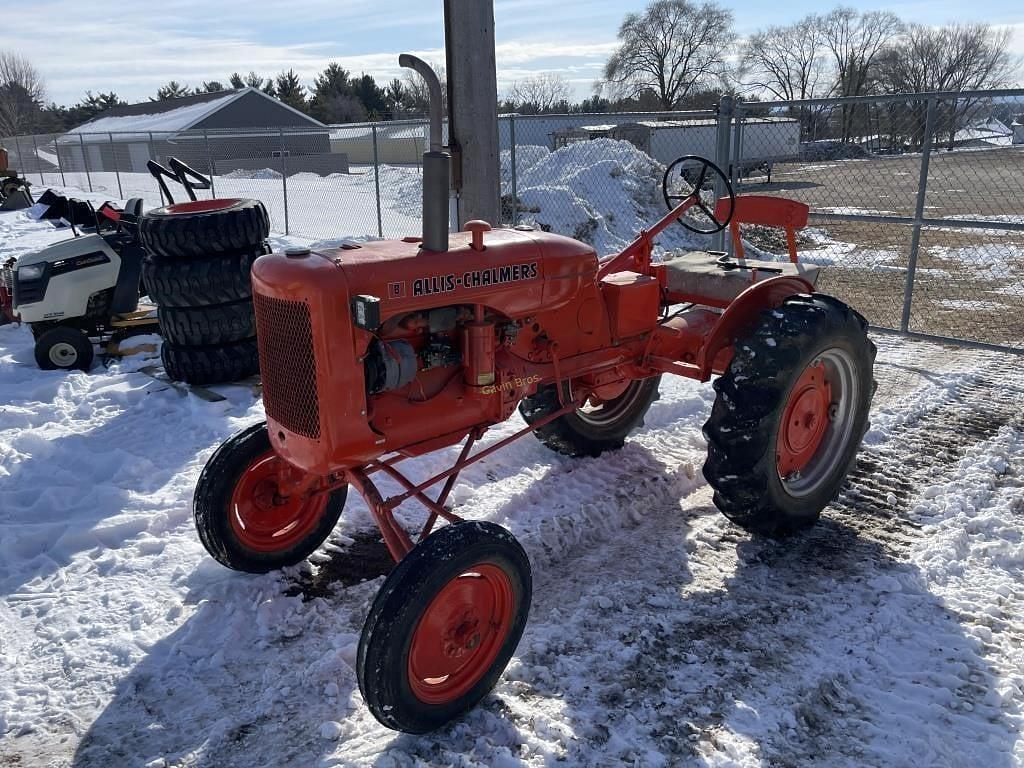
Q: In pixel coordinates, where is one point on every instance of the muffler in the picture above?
(436, 163)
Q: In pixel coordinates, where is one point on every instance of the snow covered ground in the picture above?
(889, 635)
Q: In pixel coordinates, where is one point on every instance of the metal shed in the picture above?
(219, 132)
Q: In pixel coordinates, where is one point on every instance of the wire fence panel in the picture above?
(901, 189)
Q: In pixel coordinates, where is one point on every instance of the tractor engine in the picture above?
(387, 346)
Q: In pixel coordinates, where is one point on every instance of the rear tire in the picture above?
(64, 348)
(202, 281)
(790, 414)
(443, 626)
(236, 520)
(590, 432)
(206, 227)
(204, 326)
(210, 365)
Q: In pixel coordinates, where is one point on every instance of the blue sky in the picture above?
(134, 48)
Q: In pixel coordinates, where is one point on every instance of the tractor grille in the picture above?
(288, 364)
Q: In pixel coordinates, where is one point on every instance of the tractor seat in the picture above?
(716, 279)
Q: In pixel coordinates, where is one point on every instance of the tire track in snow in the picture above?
(887, 477)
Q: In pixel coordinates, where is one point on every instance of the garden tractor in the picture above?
(378, 353)
(84, 290)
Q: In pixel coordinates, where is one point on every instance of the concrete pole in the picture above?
(473, 108)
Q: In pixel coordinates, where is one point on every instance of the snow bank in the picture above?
(262, 173)
(602, 192)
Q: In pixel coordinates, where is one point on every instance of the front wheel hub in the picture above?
(265, 521)
(460, 634)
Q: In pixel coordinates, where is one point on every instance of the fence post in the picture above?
(737, 148)
(284, 180)
(922, 193)
(117, 169)
(85, 161)
(39, 160)
(60, 163)
(512, 168)
(20, 167)
(152, 156)
(376, 182)
(725, 113)
(209, 162)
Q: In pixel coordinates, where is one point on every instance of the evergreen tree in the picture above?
(333, 100)
(395, 96)
(212, 86)
(252, 80)
(371, 96)
(290, 90)
(173, 90)
(236, 81)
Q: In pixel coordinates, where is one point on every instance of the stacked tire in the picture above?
(197, 272)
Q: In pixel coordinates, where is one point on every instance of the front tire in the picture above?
(240, 518)
(443, 626)
(790, 414)
(594, 428)
(64, 348)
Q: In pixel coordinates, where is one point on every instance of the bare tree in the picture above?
(671, 48)
(956, 57)
(540, 93)
(789, 62)
(856, 41)
(417, 96)
(22, 91)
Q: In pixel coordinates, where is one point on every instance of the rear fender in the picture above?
(740, 317)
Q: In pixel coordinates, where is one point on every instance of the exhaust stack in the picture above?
(436, 163)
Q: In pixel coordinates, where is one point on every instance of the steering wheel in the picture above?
(686, 179)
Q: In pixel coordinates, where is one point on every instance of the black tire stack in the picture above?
(197, 272)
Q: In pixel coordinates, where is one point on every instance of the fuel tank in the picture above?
(311, 352)
(516, 272)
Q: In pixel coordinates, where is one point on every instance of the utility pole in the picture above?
(473, 108)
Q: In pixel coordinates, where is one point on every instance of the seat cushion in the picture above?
(699, 274)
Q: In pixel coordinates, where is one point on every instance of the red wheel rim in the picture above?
(804, 420)
(261, 519)
(201, 206)
(459, 636)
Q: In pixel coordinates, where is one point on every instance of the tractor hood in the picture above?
(516, 272)
(73, 248)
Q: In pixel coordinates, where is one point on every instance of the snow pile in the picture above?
(261, 173)
(602, 192)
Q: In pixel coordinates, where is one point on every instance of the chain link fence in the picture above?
(917, 207)
(917, 201)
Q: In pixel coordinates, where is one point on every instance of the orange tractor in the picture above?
(377, 353)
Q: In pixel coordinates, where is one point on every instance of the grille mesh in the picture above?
(288, 364)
